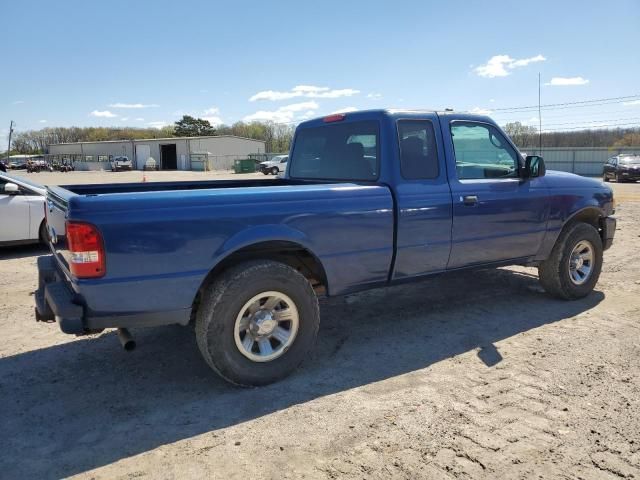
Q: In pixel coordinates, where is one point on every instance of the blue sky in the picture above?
(143, 64)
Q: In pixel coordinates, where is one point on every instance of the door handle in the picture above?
(469, 200)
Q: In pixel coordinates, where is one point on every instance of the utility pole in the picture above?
(539, 119)
(9, 147)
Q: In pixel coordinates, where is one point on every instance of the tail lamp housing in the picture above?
(87, 250)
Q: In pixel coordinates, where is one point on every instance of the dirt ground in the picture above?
(474, 375)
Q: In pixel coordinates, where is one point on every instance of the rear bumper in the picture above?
(608, 231)
(56, 301)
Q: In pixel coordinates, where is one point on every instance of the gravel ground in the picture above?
(474, 375)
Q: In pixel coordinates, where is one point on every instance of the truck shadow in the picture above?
(85, 404)
(22, 251)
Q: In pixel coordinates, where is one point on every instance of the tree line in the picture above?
(526, 136)
(278, 136)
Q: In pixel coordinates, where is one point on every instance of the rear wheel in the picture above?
(573, 268)
(275, 171)
(605, 178)
(257, 322)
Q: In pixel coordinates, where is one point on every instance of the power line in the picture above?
(594, 127)
(595, 121)
(552, 106)
(514, 115)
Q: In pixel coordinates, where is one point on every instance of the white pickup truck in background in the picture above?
(121, 163)
(274, 166)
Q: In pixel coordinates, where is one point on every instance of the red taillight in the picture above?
(87, 252)
(336, 117)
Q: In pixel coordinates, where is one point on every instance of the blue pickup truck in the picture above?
(369, 199)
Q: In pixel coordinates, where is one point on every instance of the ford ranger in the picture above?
(369, 199)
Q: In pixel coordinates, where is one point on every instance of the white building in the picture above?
(172, 153)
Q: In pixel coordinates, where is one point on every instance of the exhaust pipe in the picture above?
(126, 340)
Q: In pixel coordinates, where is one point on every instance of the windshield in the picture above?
(630, 160)
(341, 151)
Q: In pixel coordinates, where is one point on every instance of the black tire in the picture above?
(43, 234)
(619, 178)
(605, 178)
(554, 273)
(275, 170)
(266, 172)
(220, 305)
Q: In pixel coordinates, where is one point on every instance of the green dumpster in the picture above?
(244, 165)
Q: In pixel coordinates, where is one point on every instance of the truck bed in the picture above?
(162, 239)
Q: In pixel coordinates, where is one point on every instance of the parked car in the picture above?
(121, 163)
(369, 199)
(274, 166)
(19, 164)
(150, 164)
(21, 211)
(622, 168)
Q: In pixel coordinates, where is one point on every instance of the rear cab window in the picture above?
(418, 152)
(340, 151)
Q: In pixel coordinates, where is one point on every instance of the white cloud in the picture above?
(139, 119)
(501, 65)
(211, 115)
(158, 124)
(374, 95)
(42, 121)
(345, 110)
(306, 91)
(213, 120)
(103, 114)
(285, 114)
(632, 102)
(17, 102)
(480, 111)
(124, 119)
(133, 105)
(567, 81)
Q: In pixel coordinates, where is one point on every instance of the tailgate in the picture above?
(56, 216)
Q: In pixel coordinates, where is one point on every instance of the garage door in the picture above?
(143, 152)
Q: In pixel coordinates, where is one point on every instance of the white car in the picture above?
(121, 163)
(21, 211)
(274, 166)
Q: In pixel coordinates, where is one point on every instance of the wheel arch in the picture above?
(292, 252)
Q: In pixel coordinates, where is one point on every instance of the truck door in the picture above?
(497, 215)
(423, 199)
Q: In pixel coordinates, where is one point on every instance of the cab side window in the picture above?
(418, 153)
(482, 152)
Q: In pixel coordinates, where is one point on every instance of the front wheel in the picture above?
(275, 171)
(573, 268)
(605, 178)
(257, 322)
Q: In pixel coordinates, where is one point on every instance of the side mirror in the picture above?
(534, 167)
(11, 188)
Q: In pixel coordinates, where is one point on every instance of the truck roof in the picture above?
(397, 113)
